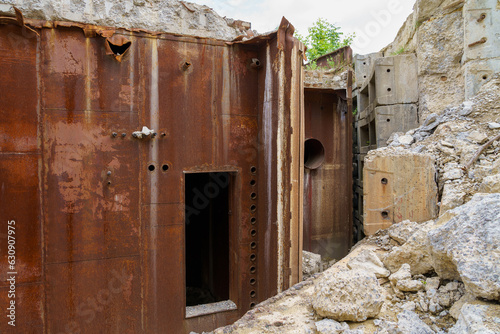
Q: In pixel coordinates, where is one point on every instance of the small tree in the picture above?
(323, 37)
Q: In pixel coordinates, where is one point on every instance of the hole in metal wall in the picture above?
(253, 220)
(165, 167)
(253, 195)
(385, 214)
(252, 281)
(253, 169)
(151, 168)
(253, 245)
(253, 270)
(253, 294)
(253, 233)
(253, 182)
(314, 153)
(207, 238)
(252, 305)
(253, 208)
(384, 181)
(253, 257)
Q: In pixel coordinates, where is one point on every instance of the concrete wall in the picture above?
(171, 16)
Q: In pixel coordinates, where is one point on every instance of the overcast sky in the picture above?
(375, 22)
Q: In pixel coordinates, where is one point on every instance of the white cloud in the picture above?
(376, 22)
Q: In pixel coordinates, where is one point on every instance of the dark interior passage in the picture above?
(207, 237)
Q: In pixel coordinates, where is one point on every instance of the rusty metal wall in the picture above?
(328, 188)
(101, 213)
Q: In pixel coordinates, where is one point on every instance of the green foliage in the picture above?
(322, 38)
(398, 52)
(311, 66)
(331, 62)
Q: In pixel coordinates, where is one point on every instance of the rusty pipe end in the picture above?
(186, 65)
(255, 63)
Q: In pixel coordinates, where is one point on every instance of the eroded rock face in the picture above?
(478, 317)
(156, 15)
(353, 295)
(465, 245)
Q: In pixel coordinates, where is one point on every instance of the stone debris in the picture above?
(369, 261)
(339, 296)
(478, 318)
(311, 264)
(465, 245)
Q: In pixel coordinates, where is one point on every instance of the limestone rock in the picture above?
(171, 16)
(490, 184)
(402, 281)
(432, 283)
(477, 137)
(464, 246)
(415, 252)
(478, 317)
(409, 322)
(453, 196)
(494, 125)
(329, 326)
(403, 273)
(311, 264)
(457, 306)
(367, 260)
(402, 231)
(353, 295)
(409, 285)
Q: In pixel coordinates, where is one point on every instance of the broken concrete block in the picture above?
(398, 185)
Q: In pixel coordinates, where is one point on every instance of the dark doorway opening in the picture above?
(207, 210)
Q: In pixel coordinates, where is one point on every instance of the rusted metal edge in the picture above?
(280, 33)
(91, 30)
(18, 19)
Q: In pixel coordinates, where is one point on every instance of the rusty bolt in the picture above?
(482, 17)
(108, 173)
(124, 134)
(134, 135)
(114, 134)
(109, 183)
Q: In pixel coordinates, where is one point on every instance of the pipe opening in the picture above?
(314, 153)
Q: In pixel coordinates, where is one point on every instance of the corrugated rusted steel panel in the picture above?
(113, 204)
